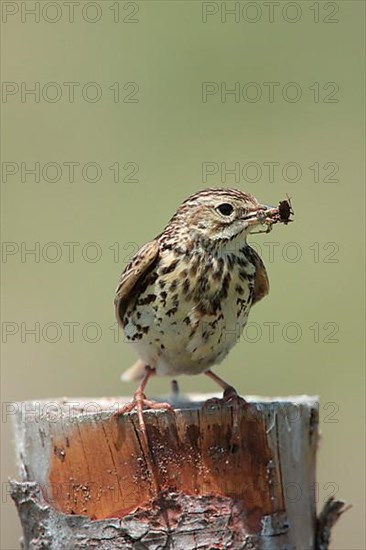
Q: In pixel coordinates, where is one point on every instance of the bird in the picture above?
(184, 298)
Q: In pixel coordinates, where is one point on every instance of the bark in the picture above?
(212, 476)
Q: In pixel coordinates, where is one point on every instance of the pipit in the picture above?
(185, 297)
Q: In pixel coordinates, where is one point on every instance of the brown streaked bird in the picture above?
(185, 297)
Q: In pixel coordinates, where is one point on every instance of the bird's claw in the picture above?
(140, 402)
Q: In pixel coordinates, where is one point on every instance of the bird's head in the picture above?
(220, 214)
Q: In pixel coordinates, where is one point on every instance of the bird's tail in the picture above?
(134, 373)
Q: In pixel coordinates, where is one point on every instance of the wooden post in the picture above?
(86, 480)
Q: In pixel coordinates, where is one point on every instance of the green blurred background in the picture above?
(165, 135)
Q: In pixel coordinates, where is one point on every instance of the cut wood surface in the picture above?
(88, 480)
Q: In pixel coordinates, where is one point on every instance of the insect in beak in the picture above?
(269, 215)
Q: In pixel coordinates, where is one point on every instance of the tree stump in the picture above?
(88, 480)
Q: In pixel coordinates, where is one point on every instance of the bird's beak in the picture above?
(266, 207)
(258, 215)
(261, 215)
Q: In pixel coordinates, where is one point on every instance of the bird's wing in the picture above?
(261, 282)
(134, 273)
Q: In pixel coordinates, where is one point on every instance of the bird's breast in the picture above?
(192, 312)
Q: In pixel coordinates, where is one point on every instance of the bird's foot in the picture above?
(140, 402)
(231, 397)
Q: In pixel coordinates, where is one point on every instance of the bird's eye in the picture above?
(225, 209)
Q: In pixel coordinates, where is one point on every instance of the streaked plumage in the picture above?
(185, 297)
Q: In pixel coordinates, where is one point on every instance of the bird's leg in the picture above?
(230, 396)
(229, 391)
(174, 388)
(140, 402)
